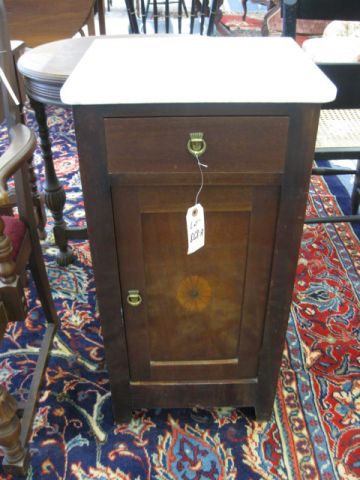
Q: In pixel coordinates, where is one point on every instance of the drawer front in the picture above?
(159, 144)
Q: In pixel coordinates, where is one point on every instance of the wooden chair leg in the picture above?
(31, 402)
(16, 457)
(41, 280)
(38, 202)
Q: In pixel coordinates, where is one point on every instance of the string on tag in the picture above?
(202, 176)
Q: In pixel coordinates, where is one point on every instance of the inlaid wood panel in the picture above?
(196, 308)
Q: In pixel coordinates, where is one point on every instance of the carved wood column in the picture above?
(54, 192)
(7, 264)
(16, 458)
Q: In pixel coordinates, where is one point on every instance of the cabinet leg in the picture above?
(263, 411)
(16, 458)
(121, 399)
(54, 191)
(123, 416)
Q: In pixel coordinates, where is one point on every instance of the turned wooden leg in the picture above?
(54, 191)
(37, 201)
(16, 458)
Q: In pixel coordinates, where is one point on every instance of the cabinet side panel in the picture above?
(294, 191)
(95, 182)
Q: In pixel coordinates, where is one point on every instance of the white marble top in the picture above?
(194, 69)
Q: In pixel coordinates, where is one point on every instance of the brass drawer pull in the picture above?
(196, 144)
(134, 298)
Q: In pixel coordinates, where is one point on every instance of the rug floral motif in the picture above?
(314, 432)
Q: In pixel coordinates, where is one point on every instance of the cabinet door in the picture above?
(202, 315)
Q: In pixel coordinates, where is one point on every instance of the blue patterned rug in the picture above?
(314, 432)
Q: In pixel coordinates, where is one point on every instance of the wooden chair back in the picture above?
(41, 21)
(203, 17)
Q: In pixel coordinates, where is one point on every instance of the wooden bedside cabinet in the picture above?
(207, 328)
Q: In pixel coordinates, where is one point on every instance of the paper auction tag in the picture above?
(195, 223)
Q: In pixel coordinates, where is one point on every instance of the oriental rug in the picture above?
(314, 432)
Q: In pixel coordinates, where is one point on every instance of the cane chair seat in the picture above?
(339, 128)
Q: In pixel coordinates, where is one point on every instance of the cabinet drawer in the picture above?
(159, 144)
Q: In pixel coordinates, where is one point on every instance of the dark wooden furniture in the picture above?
(205, 329)
(339, 132)
(39, 22)
(19, 246)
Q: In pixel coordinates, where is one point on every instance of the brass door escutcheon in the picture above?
(134, 298)
(196, 144)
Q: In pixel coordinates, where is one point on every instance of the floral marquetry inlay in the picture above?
(194, 293)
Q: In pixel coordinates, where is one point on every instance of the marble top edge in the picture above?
(163, 69)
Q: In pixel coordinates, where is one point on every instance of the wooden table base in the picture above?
(55, 196)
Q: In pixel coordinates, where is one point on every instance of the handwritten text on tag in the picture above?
(195, 223)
